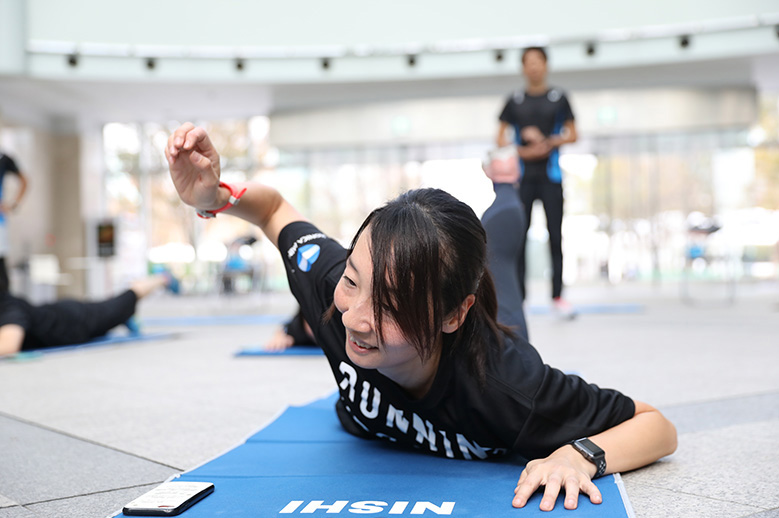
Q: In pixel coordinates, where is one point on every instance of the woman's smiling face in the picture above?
(392, 354)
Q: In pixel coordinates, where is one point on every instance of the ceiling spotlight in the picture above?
(684, 41)
(239, 64)
(590, 49)
(412, 60)
(73, 60)
(325, 63)
(498, 55)
(151, 63)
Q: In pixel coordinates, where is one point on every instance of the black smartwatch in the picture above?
(592, 453)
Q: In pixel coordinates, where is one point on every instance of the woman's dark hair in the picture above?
(528, 50)
(428, 251)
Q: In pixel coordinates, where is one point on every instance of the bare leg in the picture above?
(143, 287)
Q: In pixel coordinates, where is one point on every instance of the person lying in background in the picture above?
(295, 332)
(27, 327)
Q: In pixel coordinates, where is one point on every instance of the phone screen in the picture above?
(168, 499)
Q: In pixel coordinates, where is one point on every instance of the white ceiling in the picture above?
(72, 103)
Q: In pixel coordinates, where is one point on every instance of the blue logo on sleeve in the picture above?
(307, 256)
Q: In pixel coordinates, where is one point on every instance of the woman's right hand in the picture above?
(194, 167)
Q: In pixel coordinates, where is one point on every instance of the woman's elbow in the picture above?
(662, 428)
(666, 434)
(671, 437)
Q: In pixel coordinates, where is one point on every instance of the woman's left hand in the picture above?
(565, 469)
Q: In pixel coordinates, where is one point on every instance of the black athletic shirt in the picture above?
(548, 112)
(296, 328)
(7, 165)
(526, 407)
(41, 324)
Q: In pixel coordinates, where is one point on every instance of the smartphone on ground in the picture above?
(169, 499)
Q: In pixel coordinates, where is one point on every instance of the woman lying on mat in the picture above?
(25, 327)
(407, 319)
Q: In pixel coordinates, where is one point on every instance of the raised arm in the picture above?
(195, 171)
(637, 442)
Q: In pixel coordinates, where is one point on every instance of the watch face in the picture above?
(589, 447)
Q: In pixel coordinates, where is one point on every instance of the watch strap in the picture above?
(593, 453)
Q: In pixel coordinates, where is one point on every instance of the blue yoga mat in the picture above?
(305, 464)
(103, 340)
(593, 309)
(297, 350)
(215, 320)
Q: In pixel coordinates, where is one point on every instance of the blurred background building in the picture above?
(344, 104)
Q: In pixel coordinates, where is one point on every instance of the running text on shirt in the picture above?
(364, 403)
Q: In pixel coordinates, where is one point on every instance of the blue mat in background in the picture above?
(103, 340)
(305, 464)
(215, 320)
(295, 350)
(592, 309)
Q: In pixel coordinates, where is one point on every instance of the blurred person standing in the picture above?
(7, 165)
(543, 120)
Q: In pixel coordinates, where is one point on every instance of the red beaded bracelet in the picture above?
(232, 202)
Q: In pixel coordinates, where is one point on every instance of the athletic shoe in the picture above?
(133, 326)
(563, 309)
(172, 283)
